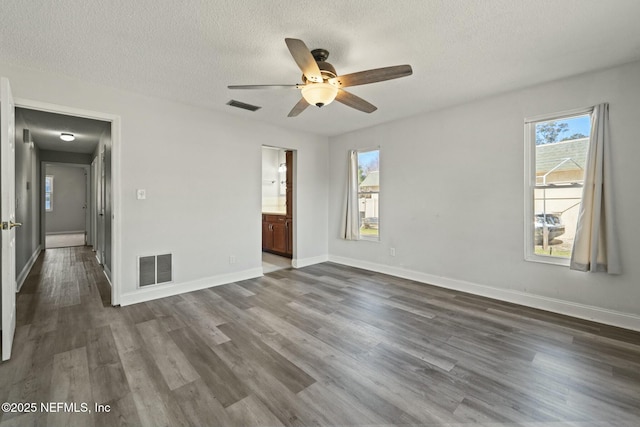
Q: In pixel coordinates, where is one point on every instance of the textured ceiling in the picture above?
(189, 51)
(46, 129)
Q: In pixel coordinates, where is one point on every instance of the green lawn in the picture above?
(368, 231)
(565, 253)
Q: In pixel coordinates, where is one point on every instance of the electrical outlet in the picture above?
(392, 251)
(232, 259)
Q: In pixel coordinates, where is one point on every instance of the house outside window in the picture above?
(556, 155)
(48, 193)
(369, 194)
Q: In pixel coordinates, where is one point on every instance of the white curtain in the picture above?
(596, 245)
(350, 226)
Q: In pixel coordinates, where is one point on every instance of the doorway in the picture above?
(75, 190)
(66, 204)
(278, 217)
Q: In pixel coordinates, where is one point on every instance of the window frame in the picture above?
(530, 182)
(360, 236)
(50, 193)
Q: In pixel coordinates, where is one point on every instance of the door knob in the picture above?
(9, 225)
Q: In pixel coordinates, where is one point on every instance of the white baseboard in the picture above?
(304, 262)
(107, 273)
(581, 311)
(161, 291)
(27, 268)
(54, 233)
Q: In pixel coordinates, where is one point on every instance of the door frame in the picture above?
(43, 213)
(294, 200)
(116, 186)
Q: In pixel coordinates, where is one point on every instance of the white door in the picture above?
(101, 203)
(87, 211)
(8, 216)
(93, 205)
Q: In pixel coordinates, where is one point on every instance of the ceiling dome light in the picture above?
(65, 136)
(319, 94)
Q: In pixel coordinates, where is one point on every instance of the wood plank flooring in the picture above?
(325, 345)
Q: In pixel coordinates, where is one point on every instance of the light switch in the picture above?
(141, 194)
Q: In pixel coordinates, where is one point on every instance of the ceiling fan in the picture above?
(321, 84)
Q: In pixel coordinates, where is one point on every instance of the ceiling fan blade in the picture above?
(298, 108)
(356, 102)
(302, 55)
(372, 76)
(297, 86)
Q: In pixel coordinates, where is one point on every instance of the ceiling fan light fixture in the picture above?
(321, 84)
(65, 136)
(319, 94)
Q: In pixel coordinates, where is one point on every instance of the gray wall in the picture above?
(27, 198)
(65, 157)
(69, 198)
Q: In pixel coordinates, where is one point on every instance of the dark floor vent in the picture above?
(242, 105)
(154, 269)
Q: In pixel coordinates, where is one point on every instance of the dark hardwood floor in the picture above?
(323, 345)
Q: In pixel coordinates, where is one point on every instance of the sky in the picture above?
(581, 124)
(366, 157)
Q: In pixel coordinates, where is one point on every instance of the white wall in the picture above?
(202, 173)
(452, 196)
(69, 198)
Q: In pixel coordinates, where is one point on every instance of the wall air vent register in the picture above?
(154, 270)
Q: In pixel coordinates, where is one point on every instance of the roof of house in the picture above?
(371, 180)
(549, 156)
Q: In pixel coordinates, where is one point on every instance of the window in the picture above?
(369, 194)
(556, 157)
(48, 193)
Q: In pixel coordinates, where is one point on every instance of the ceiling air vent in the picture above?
(242, 105)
